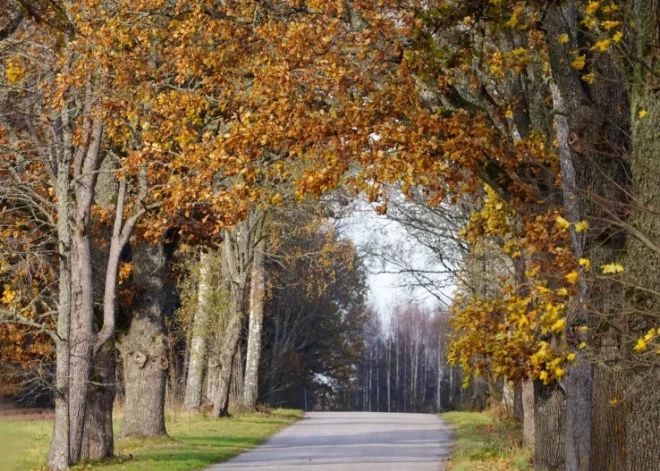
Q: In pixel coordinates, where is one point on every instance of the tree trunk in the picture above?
(226, 359)
(389, 373)
(257, 295)
(144, 348)
(642, 264)
(608, 421)
(81, 339)
(527, 398)
(518, 411)
(58, 458)
(98, 442)
(548, 427)
(195, 378)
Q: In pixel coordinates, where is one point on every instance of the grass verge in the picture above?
(195, 442)
(484, 442)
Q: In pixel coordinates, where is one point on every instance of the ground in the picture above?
(195, 442)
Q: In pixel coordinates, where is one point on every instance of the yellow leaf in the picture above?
(602, 45)
(592, 8)
(589, 78)
(559, 325)
(559, 373)
(562, 292)
(611, 268)
(579, 62)
(563, 38)
(617, 36)
(640, 346)
(589, 22)
(582, 345)
(585, 263)
(608, 24)
(563, 223)
(572, 277)
(8, 295)
(570, 357)
(642, 114)
(581, 226)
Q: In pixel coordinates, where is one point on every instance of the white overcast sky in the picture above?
(385, 289)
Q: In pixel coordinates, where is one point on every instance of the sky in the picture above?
(364, 227)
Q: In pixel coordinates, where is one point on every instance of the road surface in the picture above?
(352, 441)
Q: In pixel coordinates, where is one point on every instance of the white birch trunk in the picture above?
(194, 382)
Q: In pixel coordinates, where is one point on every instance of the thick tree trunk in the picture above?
(608, 421)
(98, 442)
(548, 424)
(257, 296)
(195, 379)
(641, 262)
(144, 348)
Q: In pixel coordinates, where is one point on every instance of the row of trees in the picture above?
(403, 366)
(534, 121)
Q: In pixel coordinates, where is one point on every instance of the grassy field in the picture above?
(483, 442)
(194, 443)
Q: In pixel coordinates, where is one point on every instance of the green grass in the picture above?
(195, 442)
(483, 442)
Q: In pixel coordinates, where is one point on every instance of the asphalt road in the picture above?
(352, 441)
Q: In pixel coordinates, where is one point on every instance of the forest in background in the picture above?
(170, 172)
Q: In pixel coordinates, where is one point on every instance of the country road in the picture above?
(352, 441)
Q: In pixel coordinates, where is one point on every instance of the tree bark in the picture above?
(58, 458)
(144, 348)
(98, 442)
(642, 264)
(548, 427)
(227, 353)
(81, 338)
(195, 380)
(256, 320)
(527, 398)
(578, 382)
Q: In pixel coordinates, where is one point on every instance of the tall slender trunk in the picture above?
(438, 376)
(527, 399)
(377, 377)
(58, 458)
(578, 383)
(144, 348)
(389, 373)
(195, 377)
(397, 370)
(256, 321)
(81, 338)
(226, 360)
